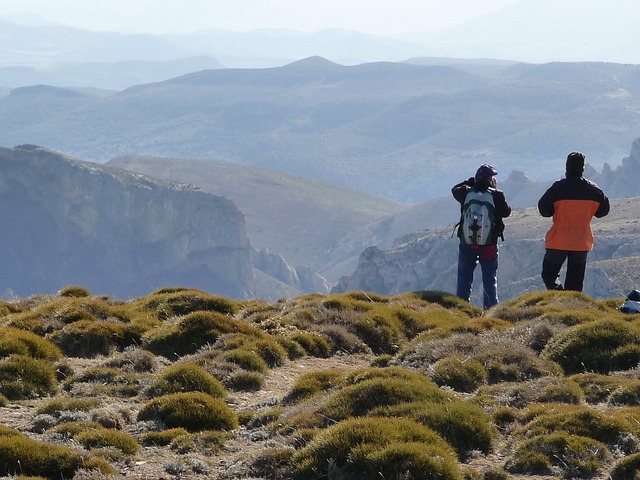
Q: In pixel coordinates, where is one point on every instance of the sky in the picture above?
(383, 17)
(521, 30)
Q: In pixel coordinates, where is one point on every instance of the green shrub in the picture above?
(382, 361)
(21, 342)
(464, 425)
(272, 463)
(24, 377)
(461, 374)
(370, 447)
(313, 344)
(260, 419)
(495, 474)
(572, 317)
(513, 363)
(71, 429)
(597, 387)
(211, 441)
(133, 359)
(364, 389)
(555, 300)
(270, 351)
(33, 458)
(580, 421)
(163, 437)
(369, 373)
(7, 308)
(448, 301)
(247, 359)
(49, 317)
(191, 332)
(359, 399)
(600, 346)
(178, 301)
(342, 340)
(74, 291)
(8, 431)
(628, 393)
(245, 381)
(520, 394)
(90, 338)
(104, 380)
(105, 437)
(560, 390)
(313, 383)
(502, 354)
(186, 377)
(405, 459)
(627, 468)
(194, 411)
(58, 405)
(294, 349)
(183, 444)
(380, 330)
(348, 301)
(503, 416)
(574, 456)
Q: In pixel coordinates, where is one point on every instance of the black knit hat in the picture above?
(575, 163)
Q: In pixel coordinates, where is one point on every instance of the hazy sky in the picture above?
(171, 16)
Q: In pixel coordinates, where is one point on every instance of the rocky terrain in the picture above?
(184, 384)
(428, 259)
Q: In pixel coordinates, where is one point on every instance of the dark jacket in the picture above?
(502, 208)
(572, 202)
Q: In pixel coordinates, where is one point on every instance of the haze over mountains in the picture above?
(350, 125)
(526, 31)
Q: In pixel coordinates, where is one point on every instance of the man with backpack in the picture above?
(572, 202)
(482, 208)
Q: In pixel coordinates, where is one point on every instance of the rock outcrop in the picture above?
(68, 222)
(427, 260)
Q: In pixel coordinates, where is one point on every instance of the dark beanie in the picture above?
(575, 163)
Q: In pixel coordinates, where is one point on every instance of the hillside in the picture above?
(123, 233)
(350, 125)
(181, 383)
(307, 221)
(116, 75)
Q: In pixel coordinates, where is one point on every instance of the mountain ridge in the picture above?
(351, 125)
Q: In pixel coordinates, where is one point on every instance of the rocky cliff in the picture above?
(427, 259)
(68, 222)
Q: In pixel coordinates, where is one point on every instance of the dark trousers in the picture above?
(468, 258)
(552, 263)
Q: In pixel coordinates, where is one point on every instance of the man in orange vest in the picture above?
(572, 202)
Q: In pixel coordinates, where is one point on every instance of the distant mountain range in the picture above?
(537, 31)
(397, 130)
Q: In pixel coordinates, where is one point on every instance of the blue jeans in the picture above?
(468, 258)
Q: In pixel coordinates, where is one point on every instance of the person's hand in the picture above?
(494, 182)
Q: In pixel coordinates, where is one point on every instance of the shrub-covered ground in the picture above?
(185, 384)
